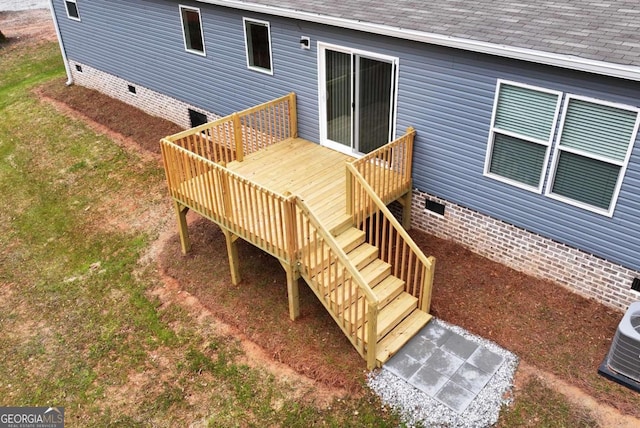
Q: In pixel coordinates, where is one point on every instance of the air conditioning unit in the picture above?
(622, 363)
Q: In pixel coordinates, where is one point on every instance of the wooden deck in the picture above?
(314, 173)
(322, 213)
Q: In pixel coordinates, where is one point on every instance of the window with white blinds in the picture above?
(592, 152)
(522, 127)
(592, 148)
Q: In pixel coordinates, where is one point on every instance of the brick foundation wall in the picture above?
(528, 252)
(145, 99)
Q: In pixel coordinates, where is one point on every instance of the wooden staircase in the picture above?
(398, 318)
(362, 264)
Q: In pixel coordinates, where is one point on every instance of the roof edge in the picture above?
(548, 58)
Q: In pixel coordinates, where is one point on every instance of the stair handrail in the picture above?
(372, 300)
(331, 241)
(428, 262)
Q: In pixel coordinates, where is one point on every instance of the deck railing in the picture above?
(233, 137)
(388, 168)
(337, 283)
(245, 208)
(283, 225)
(382, 230)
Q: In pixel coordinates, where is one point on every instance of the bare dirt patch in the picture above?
(605, 415)
(257, 308)
(29, 26)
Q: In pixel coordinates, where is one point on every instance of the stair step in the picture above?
(341, 224)
(388, 289)
(344, 295)
(350, 239)
(392, 314)
(359, 256)
(328, 276)
(400, 335)
(362, 255)
(375, 272)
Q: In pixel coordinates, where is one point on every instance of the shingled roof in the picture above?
(597, 34)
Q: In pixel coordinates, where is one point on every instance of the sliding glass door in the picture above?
(358, 93)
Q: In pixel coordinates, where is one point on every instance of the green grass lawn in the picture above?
(78, 325)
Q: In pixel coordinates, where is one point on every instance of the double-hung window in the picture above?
(72, 9)
(522, 128)
(592, 151)
(192, 30)
(257, 39)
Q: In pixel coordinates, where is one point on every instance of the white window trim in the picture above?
(547, 143)
(66, 8)
(322, 47)
(245, 21)
(623, 165)
(184, 33)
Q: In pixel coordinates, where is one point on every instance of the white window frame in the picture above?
(184, 32)
(623, 165)
(245, 22)
(66, 7)
(322, 47)
(547, 144)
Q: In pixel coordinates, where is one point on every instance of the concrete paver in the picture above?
(445, 365)
(455, 397)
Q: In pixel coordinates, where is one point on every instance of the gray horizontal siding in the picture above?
(447, 95)
(141, 41)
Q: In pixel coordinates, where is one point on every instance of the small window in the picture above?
(132, 89)
(192, 29)
(72, 9)
(257, 39)
(522, 128)
(593, 149)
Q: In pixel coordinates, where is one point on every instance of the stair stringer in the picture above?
(327, 269)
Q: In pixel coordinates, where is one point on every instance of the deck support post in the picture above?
(293, 294)
(232, 252)
(181, 213)
(406, 209)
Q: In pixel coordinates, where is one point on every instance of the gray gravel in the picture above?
(418, 409)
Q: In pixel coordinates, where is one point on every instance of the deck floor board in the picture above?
(314, 173)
